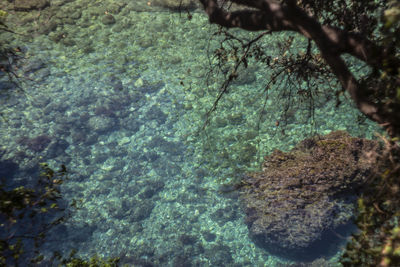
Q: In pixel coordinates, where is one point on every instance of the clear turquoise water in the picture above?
(126, 118)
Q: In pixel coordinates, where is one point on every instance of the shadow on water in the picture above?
(330, 243)
(29, 209)
(8, 168)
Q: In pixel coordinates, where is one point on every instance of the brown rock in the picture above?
(301, 196)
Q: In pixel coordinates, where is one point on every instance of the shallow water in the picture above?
(123, 106)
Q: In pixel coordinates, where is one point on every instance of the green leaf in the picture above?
(391, 16)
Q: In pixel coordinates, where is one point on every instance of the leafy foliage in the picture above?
(3, 16)
(27, 214)
(95, 261)
(351, 15)
(378, 241)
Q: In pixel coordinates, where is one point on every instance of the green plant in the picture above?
(94, 261)
(28, 213)
(378, 241)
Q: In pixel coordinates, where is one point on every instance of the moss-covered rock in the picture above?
(303, 195)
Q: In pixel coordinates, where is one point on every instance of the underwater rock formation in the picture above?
(36, 144)
(25, 5)
(101, 124)
(301, 197)
(175, 4)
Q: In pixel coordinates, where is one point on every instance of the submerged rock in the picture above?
(102, 124)
(36, 144)
(302, 196)
(108, 19)
(25, 5)
(176, 4)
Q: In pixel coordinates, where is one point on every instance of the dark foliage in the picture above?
(27, 214)
(378, 241)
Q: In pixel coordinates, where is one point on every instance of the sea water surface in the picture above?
(122, 102)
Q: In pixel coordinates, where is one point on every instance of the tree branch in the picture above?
(273, 16)
(250, 20)
(331, 41)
